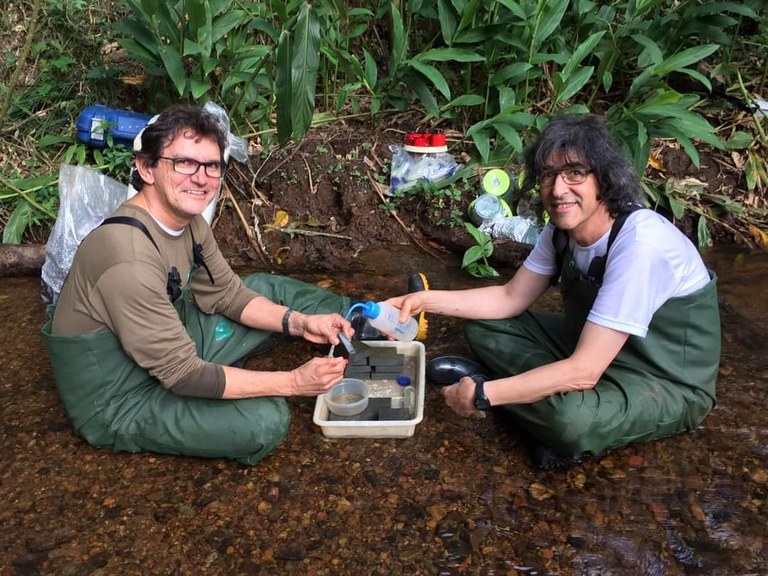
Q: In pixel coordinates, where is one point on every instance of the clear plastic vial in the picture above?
(383, 317)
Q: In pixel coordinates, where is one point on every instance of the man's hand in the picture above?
(317, 376)
(320, 328)
(409, 304)
(460, 397)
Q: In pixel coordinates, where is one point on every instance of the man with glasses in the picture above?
(634, 356)
(152, 326)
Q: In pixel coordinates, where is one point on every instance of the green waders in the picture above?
(114, 403)
(656, 386)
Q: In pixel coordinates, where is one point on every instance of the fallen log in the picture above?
(21, 259)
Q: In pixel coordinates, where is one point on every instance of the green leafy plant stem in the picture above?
(256, 70)
(18, 192)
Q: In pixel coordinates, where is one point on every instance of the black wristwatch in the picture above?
(481, 400)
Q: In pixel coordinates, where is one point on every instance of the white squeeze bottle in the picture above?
(383, 317)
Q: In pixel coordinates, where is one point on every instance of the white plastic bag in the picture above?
(86, 198)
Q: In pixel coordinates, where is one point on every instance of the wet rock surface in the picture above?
(459, 497)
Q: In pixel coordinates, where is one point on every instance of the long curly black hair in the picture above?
(587, 137)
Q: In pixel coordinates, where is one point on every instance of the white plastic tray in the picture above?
(415, 360)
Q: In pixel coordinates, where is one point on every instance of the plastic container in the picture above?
(94, 122)
(415, 359)
(383, 317)
(487, 208)
(348, 397)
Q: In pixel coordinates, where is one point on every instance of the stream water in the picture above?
(459, 497)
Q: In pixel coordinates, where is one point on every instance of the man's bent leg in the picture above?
(245, 430)
(626, 405)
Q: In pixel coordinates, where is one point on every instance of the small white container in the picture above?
(415, 365)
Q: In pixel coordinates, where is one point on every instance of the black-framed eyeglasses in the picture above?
(570, 176)
(189, 166)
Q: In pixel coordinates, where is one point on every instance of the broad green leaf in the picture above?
(447, 19)
(137, 34)
(684, 58)
(519, 120)
(283, 88)
(175, 68)
(467, 100)
(482, 141)
(548, 19)
(53, 139)
(574, 83)
(434, 76)
(468, 14)
(306, 61)
(582, 51)
(740, 141)
(677, 207)
(417, 85)
(20, 219)
(198, 87)
(510, 135)
(450, 55)
(371, 70)
(473, 254)
(515, 8)
(480, 238)
(225, 23)
(704, 237)
(721, 8)
(150, 7)
(209, 65)
(399, 40)
(651, 55)
(511, 74)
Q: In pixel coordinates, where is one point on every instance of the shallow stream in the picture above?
(459, 497)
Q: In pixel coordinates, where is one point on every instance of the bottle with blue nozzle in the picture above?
(383, 317)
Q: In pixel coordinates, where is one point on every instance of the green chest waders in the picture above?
(114, 403)
(656, 386)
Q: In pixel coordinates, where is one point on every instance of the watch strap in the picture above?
(481, 400)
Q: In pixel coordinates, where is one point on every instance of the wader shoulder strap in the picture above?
(596, 270)
(173, 286)
(560, 240)
(131, 221)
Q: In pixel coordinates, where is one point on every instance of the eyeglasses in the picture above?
(188, 167)
(570, 176)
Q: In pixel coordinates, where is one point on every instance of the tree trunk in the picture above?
(21, 259)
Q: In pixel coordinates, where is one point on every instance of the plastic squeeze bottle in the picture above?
(383, 317)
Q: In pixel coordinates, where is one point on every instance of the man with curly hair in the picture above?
(635, 355)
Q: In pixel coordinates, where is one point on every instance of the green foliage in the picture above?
(476, 257)
(494, 70)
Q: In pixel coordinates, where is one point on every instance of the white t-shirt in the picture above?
(650, 262)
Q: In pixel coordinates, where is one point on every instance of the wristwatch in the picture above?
(481, 400)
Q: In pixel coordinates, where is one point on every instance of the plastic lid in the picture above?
(370, 309)
(404, 380)
(496, 182)
(425, 142)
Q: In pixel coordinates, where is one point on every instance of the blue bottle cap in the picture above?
(403, 380)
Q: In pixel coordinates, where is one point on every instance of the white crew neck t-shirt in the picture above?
(650, 262)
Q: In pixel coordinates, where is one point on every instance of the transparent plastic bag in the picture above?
(408, 169)
(517, 228)
(86, 198)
